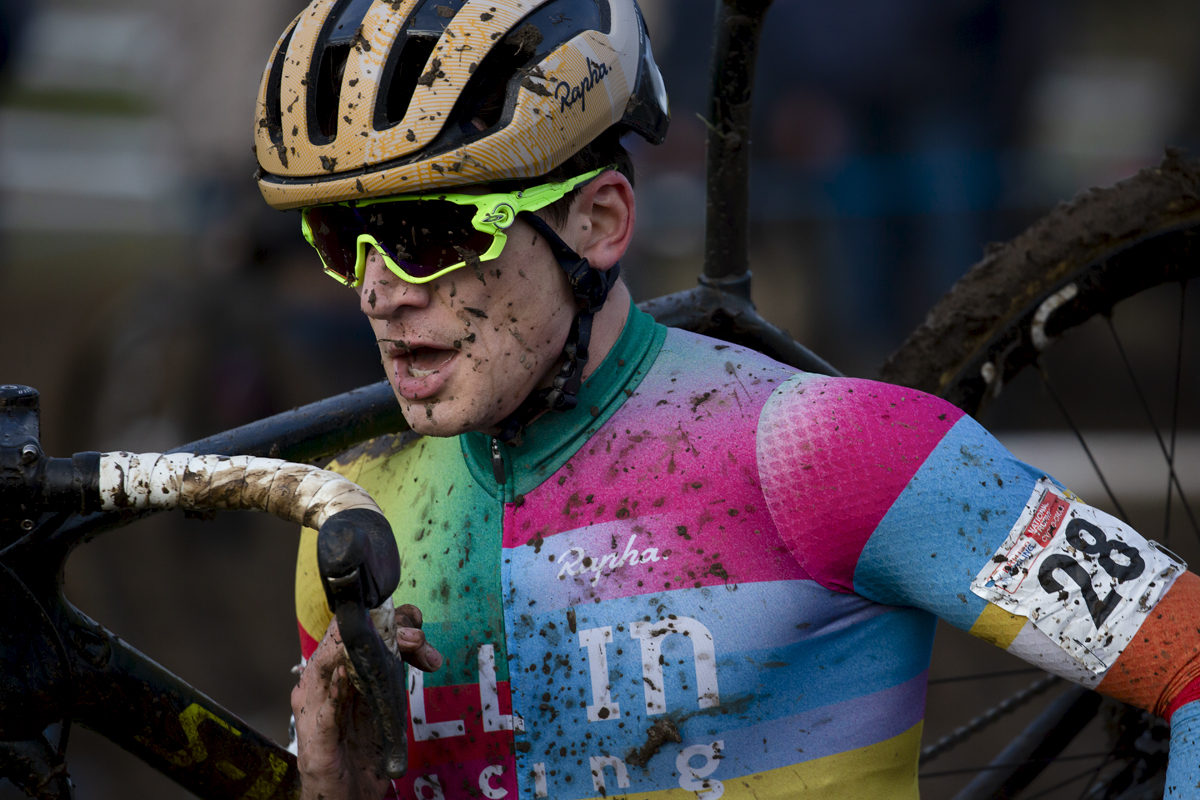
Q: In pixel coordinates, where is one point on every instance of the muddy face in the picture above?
(463, 351)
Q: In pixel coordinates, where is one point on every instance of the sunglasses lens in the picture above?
(426, 236)
(334, 231)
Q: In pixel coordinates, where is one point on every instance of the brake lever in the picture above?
(360, 569)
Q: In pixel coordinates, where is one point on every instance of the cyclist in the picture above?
(653, 561)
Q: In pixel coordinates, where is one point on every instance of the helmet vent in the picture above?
(490, 93)
(431, 17)
(328, 91)
(274, 110)
(483, 99)
(341, 31)
(400, 75)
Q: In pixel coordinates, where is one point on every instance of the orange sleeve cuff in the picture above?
(1163, 659)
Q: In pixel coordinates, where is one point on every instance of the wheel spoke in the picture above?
(1009, 765)
(1006, 706)
(1041, 368)
(1175, 406)
(1087, 787)
(1061, 784)
(979, 676)
(1172, 477)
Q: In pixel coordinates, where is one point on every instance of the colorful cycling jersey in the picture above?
(720, 577)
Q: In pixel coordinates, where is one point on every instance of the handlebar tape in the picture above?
(360, 566)
(298, 493)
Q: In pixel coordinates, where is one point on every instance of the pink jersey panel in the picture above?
(834, 454)
(674, 470)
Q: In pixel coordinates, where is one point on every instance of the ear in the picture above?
(601, 221)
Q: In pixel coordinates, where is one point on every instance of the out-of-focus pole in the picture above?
(735, 50)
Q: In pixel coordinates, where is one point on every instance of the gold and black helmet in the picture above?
(368, 98)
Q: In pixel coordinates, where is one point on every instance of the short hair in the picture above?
(605, 150)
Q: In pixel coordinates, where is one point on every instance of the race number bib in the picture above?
(1082, 577)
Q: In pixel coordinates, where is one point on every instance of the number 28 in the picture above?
(1078, 533)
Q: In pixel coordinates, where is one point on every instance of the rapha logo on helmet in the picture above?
(569, 95)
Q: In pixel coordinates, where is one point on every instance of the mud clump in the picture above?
(434, 71)
(657, 735)
(535, 87)
(526, 38)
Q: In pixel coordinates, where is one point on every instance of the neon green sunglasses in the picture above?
(422, 236)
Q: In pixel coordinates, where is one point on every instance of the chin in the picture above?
(456, 415)
(434, 419)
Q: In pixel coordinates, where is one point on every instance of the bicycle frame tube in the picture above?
(126, 697)
(134, 702)
(721, 305)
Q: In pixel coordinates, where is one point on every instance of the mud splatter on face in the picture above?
(400, 343)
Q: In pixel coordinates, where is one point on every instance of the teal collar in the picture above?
(552, 439)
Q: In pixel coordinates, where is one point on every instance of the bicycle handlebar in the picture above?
(356, 552)
(357, 558)
(298, 493)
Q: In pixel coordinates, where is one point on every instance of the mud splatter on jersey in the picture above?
(720, 579)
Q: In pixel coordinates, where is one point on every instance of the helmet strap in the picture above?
(590, 287)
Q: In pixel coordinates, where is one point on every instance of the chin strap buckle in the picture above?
(589, 285)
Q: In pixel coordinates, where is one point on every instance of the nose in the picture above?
(384, 293)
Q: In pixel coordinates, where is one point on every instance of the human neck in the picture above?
(607, 326)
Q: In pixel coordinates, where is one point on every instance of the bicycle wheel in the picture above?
(1074, 335)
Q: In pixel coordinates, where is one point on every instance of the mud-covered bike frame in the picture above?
(56, 664)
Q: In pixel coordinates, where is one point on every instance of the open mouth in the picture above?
(426, 361)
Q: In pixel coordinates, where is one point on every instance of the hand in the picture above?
(411, 641)
(337, 744)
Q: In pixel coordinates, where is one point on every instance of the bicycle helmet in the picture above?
(369, 98)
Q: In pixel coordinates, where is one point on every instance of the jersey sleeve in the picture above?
(1183, 770)
(899, 497)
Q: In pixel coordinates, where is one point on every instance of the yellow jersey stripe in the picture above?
(997, 626)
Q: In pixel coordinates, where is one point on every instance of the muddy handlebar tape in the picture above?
(298, 493)
(356, 552)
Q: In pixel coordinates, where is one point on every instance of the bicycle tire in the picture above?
(1101, 242)
(1079, 260)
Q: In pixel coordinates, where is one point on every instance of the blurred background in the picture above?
(152, 297)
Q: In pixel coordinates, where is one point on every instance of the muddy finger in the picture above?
(409, 616)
